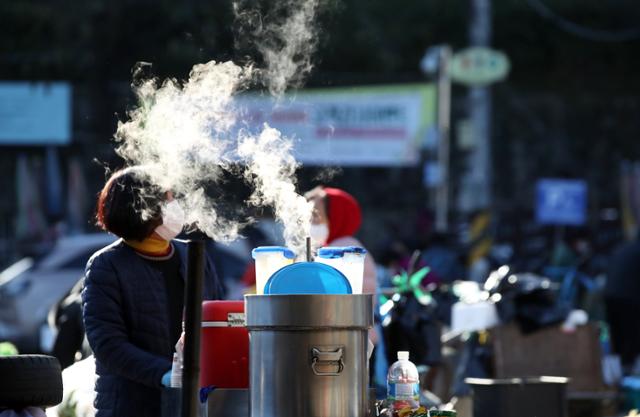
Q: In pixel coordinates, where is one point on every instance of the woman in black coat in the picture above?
(133, 294)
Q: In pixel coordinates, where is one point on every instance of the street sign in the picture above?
(561, 202)
(478, 66)
(35, 113)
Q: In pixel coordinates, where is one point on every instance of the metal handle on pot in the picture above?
(332, 358)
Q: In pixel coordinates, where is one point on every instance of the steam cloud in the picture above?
(271, 172)
(285, 38)
(188, 135)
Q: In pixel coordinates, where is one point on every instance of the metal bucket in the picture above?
(308, 355)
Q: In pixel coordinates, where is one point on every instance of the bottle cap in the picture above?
(403, 355)
(286, 252)
(336, 252)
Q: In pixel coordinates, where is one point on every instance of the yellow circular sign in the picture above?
(477, 66)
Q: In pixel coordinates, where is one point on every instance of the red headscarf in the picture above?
(344, 214)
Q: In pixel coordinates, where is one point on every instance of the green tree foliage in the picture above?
(565, 92)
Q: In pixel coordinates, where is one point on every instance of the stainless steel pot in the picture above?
(308, 355)
(228, 403)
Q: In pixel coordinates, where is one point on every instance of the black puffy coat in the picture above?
(125, 317)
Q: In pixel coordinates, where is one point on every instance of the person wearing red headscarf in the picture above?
(336, 219)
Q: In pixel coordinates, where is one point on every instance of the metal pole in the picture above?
(192, 324)
(480, 110)
(444, 120)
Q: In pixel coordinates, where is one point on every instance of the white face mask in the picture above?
(173, 219)
(319, 233)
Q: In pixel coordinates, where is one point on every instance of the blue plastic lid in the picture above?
(338, 251)
(308, 278)
(286, 252)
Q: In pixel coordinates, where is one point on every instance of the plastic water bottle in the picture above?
(176, 371)
(403, 384)
(178, 362)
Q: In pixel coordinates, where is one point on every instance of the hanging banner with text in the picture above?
(37, 113)
(561, 202)
(364, 126)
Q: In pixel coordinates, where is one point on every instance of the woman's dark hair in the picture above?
(129, 205)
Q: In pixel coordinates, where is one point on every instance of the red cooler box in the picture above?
(224, 349)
